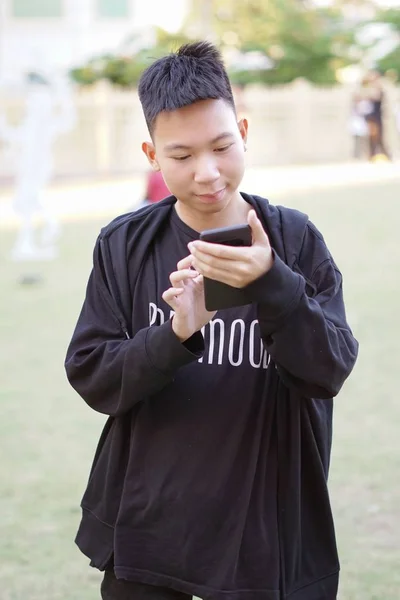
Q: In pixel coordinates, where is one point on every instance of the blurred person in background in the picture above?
(210, 476)
(373, 107)
(156, 188)
(358, 126)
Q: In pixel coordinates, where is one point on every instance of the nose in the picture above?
(206, 170)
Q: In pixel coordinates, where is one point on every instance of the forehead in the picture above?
(195, 124)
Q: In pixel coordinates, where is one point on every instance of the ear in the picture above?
(243, 125)
(150, 151)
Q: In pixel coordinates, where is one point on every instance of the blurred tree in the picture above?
(301, 39)
(168, 42)
(271, 42)
(85, 75)
(391, 61)
(123, 69)
(367, 15)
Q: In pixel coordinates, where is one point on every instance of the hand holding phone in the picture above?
(220, 295)
(229, 259)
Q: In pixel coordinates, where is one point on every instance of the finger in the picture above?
(257, 230)
(185, 263)
(171, 294)
(218, 262)
(208, 251)
(179, 277)
(212, 269)
(234, 276)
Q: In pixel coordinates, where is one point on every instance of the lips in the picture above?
(212, 196)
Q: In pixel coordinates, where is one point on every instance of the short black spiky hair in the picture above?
(195, 72)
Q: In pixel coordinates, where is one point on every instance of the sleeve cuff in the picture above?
(277, 292)
(167, 353)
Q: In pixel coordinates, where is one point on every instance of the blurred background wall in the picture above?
(295, 66)
(295, 123)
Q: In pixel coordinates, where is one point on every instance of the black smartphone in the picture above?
(219, 295)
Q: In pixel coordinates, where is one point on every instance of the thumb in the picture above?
(257, 230)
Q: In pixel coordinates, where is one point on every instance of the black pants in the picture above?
(375, 138)
(120, 589)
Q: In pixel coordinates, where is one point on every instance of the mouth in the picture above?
(212, 197)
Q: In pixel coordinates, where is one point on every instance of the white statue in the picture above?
(49, 112)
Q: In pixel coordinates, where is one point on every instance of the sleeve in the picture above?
(112, 373)
(303, 324)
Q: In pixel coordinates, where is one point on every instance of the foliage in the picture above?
(85, 75)
(296, 38)
(391, 17)
(391, 62)
(124, 70)
(120, 70)
(300, 39)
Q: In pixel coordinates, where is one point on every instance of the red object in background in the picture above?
(156, 187)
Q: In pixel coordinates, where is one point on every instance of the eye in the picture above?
(181, 157)
(223, 148)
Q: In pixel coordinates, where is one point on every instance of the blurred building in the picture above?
(50, 35)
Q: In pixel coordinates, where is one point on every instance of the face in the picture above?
(200, 151)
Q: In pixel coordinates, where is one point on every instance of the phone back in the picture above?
(219, 295)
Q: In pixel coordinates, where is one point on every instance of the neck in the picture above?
(235, 213)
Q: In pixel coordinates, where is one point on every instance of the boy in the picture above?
(210, 475)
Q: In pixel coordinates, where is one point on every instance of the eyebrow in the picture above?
(221, 136)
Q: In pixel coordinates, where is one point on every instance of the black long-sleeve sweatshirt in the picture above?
(210, 476)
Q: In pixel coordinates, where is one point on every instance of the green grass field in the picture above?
(48, 435)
